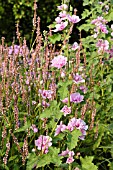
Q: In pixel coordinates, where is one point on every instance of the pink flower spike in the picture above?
(74, 19)
(59, 61)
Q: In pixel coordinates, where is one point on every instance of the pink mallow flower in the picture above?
(58, 20)
(78, 124)
(103, 45)
(83, 88)
(70, 153)
(76, 98)
(34, 128)
(43, 143)
(78, 79)
(46, 94)
(61, 26)
(64, 153)
(60, 128)
(69, 160)
(66, 110)
(75, 46)
(62, 7)
(74, 19)
(63, 15)
(59, 61)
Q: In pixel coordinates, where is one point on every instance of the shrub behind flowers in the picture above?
(56, 105)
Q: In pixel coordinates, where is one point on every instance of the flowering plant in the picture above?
(54, 103)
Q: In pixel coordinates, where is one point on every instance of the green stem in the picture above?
(69, 166)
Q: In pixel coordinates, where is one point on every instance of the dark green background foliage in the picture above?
(12, 11)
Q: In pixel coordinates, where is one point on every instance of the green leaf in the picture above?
(43, 160)
(111, 166)
(86, 13)
(110, 127)
(24, 128)
(54, 38)
(50, 157)
(12, 158)
(52, 111)
(72, 138)
(87, 163)
(32, 160)
(63, 88)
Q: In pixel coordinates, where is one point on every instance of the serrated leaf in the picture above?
(55, 158)
(50, 157)
(54, 38)
(52, 111)
(87, 163)
(72, 138)
(32, 161)
(43, 160)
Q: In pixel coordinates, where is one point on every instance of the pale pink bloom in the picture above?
(95, 35)
(75, 46)
(63, 15)
(60, 128)
(65, 100)
(70, 160)
(59, 61)
(71, 153)
(112, 26)
(33, 102)
(62, 7)
(103, 45)
(73, 18)
(71, 124)
(78, 124)
(78, 79)
(61, 26)
(66, 110)
(34, 128)
(63, 74)
(83, 88)
(45, 104)
(76, 97)
(46, 94)
(99, 20)
(58, 20)
(64, 153)
(43, 143)
(112, 34)
(103, 28)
